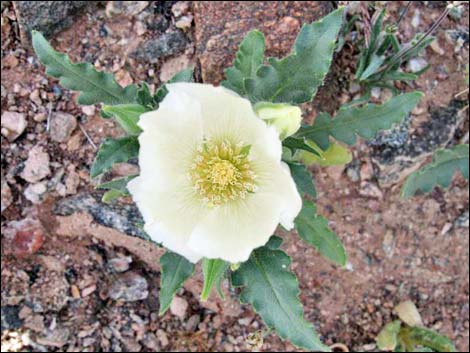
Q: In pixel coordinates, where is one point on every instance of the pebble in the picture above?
(408, 313)
(184, 22)
(151, 342)
(128, 287)
(55, 338)
(416, 64)
(178, 307)
(163, 338)
(172, 66)
(192, 323)
(36, 166)
(370, 190)
(415, 21)
(88, 110)
(120, 264)
(88, 290)
(25, 236)
(34, 192)
(167, 44)
(6, 195)
(35, 98)
(40, 117)
(75, 291)
(13, 125)
(180, 8)
(61, 126)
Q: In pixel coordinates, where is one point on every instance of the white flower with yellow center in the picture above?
(211, 183)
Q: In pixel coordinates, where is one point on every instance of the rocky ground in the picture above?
(71, 279)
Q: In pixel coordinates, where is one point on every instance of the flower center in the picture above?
(222, 172)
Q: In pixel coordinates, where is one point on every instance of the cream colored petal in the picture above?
(225, 115)
(231, 233)
(169, 139)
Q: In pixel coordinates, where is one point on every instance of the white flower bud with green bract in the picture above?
(211, 183)
(284, 117)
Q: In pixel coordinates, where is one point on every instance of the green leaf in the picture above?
(387, 339)
(175, 270)
(420, 336)
(273, 291)
(375, 63)
(112, 195)
(185, 75)
(336, 154)
(116, 184)
(446, 162)
(295, 144)
(213, 270)
(127, 115)
(314, 229)
(296, 77)
(114, 151)
(144, 97)
(364, 121)
(249, 58)
(94, 86)
(303, 179)
(274, 242)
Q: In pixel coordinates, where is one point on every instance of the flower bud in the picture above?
(285, 118)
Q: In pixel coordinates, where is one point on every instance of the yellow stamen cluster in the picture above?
(222, 172)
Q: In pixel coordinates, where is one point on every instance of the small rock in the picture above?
(416, 64)
(35, 98)
(463, 220)
(88, 110)
(13, 125)
(72, 180)
(120, 264)
(447, 227)
(436, 47)
(75, 291)
(388, 244)
(61, 126)
(184, 22)
(163, 338)
(123, 77)
(178, 307)
(167, 44)
(25, 237)
(415, 21)
(180, 8)
(36, 166)
(192, 323)
(408, 313)
(34, 192)
(25, 312)
(35, 323)
(128, 287)
(55, 338)
(140, 28)
(88, 290)
(151, 342)
(6, 195)
(335, 172)
(40, 117)
(370, 190)
(10, 61)
(375, 92)
(9, 318)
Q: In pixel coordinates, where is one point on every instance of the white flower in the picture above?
(211, 181)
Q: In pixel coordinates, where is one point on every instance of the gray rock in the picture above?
(61, 126)
(167, 44)
(416, 64)
(397, 153)
(10, 319)
(120, 264)
(7, 196)
(48, 17)
(125, 218)
(128, 287)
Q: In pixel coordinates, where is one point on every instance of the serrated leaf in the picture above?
(112, 195)
(273, 291)
(446, 162)
(303, 179)
(420, 336)
(144, 97)
(314, 229)
(175, 270)
(213, 271)
(185, 75)
(127, 115)
(248, 59)
(114, 151)
(296, 77)
(364, 121)
(336, 154)
(94, 86)
(387, 339)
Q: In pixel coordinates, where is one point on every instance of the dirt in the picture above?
(87, 287)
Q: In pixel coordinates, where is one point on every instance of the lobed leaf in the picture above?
(296, 77)
(185, 75)
(314, 230)
(303, 179)
(446, 162)
(248, 59)
(175, 270)
(114, 151)
(127, 115)
(273, 291)
(94, 86)
(364, 121)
